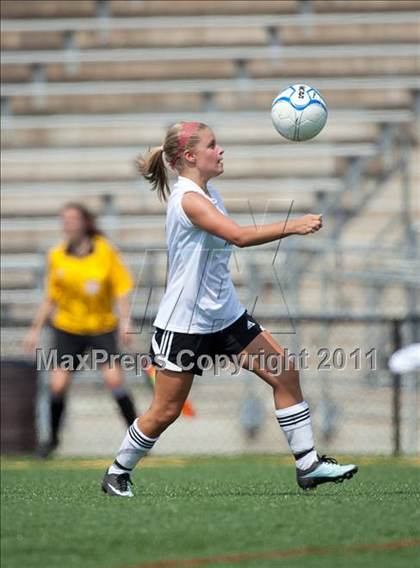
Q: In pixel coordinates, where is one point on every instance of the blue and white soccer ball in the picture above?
(299, 113)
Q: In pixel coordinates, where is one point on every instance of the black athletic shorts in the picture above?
(71, 345)
(182, 351)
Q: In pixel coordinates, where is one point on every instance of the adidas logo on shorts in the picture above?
(250, 324)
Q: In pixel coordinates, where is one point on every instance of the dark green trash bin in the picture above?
(18, 401)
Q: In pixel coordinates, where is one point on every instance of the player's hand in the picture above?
(125, 333)
(308, 224)
(31, 341)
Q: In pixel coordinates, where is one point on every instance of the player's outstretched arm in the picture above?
(205, 215)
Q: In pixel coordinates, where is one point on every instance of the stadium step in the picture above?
(315, 29)
(366, 5)
(211, 94)
(221, 62)
(213, 53)
(320, 159)
(242, 128)
(40, 9)
(125, 197)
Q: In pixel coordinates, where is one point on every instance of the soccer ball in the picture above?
(299, 113)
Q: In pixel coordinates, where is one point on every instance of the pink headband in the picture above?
(187, 130)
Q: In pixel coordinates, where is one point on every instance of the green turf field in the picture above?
(243, 511)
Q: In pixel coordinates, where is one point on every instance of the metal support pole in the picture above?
(412, 334)
(409, 232)
(396, 388)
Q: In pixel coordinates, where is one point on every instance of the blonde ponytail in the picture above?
(179, 137)
(152, 167)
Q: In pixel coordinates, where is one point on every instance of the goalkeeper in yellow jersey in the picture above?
(85, 279)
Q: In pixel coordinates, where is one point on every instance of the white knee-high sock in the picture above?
(295, 421)
(134, 447)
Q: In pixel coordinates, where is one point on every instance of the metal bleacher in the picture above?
(87, 86)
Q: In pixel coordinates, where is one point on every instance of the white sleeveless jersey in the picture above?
(199, 296)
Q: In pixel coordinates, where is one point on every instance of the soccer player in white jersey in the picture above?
(201, 314)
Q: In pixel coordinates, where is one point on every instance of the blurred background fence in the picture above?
(358, 405)
(87, 85)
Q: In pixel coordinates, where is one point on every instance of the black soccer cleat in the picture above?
(117, 484)
(324, 470)
(44, 450)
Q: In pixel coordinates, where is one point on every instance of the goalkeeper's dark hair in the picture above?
(152, 166)
(89, 219)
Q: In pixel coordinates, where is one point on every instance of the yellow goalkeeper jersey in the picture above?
(83, 289)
